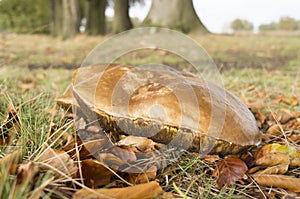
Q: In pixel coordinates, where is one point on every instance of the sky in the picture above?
(218, 14)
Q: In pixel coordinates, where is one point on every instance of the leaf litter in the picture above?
(275, 164)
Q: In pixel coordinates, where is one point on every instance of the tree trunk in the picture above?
(71, 21)
(175, 14)
(121, 21)
(95, 17)
(56, 17)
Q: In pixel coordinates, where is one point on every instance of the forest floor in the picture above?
(262, 70)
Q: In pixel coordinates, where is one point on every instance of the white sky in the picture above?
(218, 14)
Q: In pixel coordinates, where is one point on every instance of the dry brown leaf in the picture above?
(145, 191)
(294, 137)
(295, 162)
(273, 117)
(295, 100)
(289, 112)
(59, 161)
(250, 88)
(144, 177)
(229, 170)
(286, 100)
(12, 160)
(111, 160)
(141, 143)
(272, 159)
(275, 130)
(211, 158)
(285, 118)
(278, 169)
(277, 99)
(125, 153)
(10, 124)
(274, 154)
(295, 124)
(95, 174)
(66, 100)
(94, 145)
(14, 157)
(26, 172)
(27, 85)
(26, 177)
(280, 181)
(260, 116)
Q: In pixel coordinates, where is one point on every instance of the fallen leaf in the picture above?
(211, 158)
(260, 116)
(10, 125)
(280, 181)
(141, 143)
(275, 130)
(285, 118)
(125, 153)
(275, 154)
(278, 169)
(229, 170)
(26, 177)
(27, 85)
(286, 100)
(145, 191)
(12, 160)
(26, 173)
(66, 100)
(295, 100)
(277, 99)
(295, 161)
(250, 88)
(94, 144)
(95, 174)
(111, 160)
(14, 157)
(58, 161)
(272, 159)
(142, 177)
(273, 117)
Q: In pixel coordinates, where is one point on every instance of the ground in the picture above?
(36, 69)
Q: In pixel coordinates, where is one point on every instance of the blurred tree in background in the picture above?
(284, 24)
(122, 20)
(95, 17)
(30, 16)
(175, 14)
(268, 27)
(64, 18)
(287, 23)
(70, 18)
(241, 25)
(55, 17)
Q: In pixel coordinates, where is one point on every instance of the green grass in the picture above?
(270, 63)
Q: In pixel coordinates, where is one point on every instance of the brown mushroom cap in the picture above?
(167, 97)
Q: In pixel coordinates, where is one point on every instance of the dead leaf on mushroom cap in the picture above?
(229, 170)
